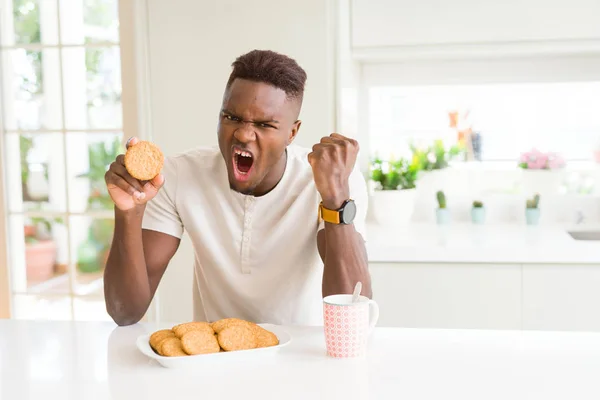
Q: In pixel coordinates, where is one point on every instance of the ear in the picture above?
(294, 131)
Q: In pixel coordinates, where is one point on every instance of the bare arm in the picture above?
(341, 247)
(138, 258)
(344, 255)
(136, 263)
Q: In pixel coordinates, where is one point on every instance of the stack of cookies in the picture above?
(194, 338)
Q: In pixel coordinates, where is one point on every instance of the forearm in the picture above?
(345, 261)
(126, 284)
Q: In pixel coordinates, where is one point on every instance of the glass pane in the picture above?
(500, 120)
(91, 239)
(32, 98)
(92, 84)
(35, 172)
(34, 21)
(38, 254)
(90, 309)
(89, 158)
(42, 307)
(89, 21)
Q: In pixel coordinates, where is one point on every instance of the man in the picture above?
(252, 209)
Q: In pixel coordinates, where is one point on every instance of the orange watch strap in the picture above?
(330, 216)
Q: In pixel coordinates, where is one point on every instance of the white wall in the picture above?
(428, 22)
(191, 47)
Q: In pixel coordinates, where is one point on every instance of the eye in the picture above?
(231, 118)
(263, 125)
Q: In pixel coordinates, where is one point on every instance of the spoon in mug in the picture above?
(356, 293)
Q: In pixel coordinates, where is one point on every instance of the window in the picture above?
(61, 127)
(510, 117)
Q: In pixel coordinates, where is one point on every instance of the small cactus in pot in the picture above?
(478, 212)
(532, 210)
(442, 213)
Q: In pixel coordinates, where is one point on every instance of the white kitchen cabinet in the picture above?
(561, 297)
(382, 23)
(442, 295)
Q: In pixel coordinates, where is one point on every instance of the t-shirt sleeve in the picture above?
(358, 193)
(161, 212)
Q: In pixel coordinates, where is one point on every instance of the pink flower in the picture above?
(535, 159)
(524, 158)
(555, 161)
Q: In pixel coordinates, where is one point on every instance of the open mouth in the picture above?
(242, 161)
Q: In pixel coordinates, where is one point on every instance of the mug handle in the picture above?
(373, 314)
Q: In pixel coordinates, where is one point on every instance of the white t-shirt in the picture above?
(256, 258)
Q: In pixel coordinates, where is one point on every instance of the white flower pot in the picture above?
(431, 181)
(393, 207)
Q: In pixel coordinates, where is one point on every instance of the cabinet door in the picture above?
(481, 296)
(380, 23)
(561, 297)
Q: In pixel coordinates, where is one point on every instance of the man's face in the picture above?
(256, 123)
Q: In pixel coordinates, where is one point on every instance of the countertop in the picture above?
(468, 243)
(79, 360)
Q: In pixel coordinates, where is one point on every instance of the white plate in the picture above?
(143, 345)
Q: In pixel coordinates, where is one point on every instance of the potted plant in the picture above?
(478, 213)
(40, 250)
(542, 172)
(394, 184)
(93, 252)
(532, 210)
(432, 162)
(442, 213)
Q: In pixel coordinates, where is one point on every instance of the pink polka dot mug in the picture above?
(347, 325)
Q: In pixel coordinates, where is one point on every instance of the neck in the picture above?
(273, 177)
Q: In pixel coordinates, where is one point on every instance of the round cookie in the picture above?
(182, 329)
(199, 342)
(158, 336)
(221, 324)
(237, 337)
(265, 338)
(144, 160)
(171, 347)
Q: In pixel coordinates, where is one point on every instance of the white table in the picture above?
(64, 360)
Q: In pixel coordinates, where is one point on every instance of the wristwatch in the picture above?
(342, 216)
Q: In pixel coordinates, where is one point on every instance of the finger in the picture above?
(338, 136)
(311, 158)
(132, 141)
(322, 146)
(120, 159)
(328, 139)
(345, 140)
(115, 180)
(122, 172)
(157, 182)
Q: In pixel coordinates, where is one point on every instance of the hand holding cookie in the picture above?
(134, 177)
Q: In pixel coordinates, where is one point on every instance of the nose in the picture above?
(245, 133)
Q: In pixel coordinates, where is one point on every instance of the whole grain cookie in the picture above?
(158, 336)
(264, 338)
(199, 342)
(182, 329)
(237, 337)
(171, 347)
(144, 160)
(221, 324)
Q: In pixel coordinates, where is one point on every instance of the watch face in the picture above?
(349, 212)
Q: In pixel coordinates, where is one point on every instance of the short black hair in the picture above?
(272, 68)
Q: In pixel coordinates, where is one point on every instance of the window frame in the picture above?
(135, 121)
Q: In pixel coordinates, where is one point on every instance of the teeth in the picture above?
(243, 153)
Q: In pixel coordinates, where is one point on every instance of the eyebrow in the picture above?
(225, 111)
